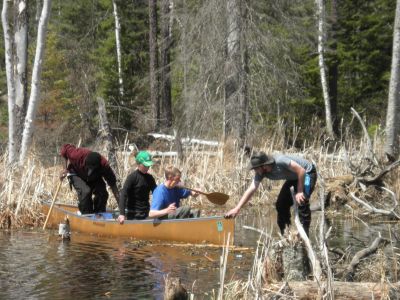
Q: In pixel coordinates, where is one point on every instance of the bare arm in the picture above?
(160, 213)
(245, 198)
(299, 170)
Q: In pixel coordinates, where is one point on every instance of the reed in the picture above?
(23, 187)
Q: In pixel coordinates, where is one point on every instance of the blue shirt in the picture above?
(163, 197)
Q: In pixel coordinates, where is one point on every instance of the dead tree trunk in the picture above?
(174, 289)
(154, 83)
(166, 104)
(236, 101)
(105, 133)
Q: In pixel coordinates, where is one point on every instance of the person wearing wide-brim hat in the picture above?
(134, 202)
(298, 172)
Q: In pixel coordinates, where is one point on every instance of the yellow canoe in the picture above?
(204, 230)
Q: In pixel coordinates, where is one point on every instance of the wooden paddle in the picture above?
(52, 204)
(215, 197)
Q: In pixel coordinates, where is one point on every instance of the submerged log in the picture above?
(343, 290)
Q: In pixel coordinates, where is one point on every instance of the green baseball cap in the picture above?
(144, 158)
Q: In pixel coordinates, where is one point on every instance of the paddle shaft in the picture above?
(197, 191)
(216, 198)
(52, 204)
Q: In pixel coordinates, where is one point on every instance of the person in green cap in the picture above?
(134, 201)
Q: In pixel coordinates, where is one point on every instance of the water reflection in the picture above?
(37, 265)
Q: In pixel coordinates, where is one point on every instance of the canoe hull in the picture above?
(208, 230)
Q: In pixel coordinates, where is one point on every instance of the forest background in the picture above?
(212, 69)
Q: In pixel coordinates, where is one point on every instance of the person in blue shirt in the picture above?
(297, 173)
(167, 196)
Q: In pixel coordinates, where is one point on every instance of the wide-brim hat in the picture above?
(260, 159)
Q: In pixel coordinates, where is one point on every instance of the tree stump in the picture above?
(174, 289)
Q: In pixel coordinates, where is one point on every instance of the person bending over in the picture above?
(86, 171)
(297, 173)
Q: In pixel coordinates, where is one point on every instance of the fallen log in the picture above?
(185, 141)
(306, 290)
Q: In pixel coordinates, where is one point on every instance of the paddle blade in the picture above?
(217, 198)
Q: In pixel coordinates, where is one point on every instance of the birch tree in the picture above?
(393, 111)
(21, 57)
(34, 98)
(321, 63)
(118, 46)
(9, 58)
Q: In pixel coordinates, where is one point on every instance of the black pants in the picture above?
(285, 201)
(132, 215)
(92, 197)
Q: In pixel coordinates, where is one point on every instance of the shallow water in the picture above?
(36, 264)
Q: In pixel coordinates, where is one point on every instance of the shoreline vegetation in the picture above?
(353, 181)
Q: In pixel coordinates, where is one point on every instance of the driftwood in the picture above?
(184, 141)
(349, 272)
(176, 154)
(315, 263)
(372, 209)
(378, 178)
(307, 290)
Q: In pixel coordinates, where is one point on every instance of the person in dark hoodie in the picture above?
(86, 171)
(134, 201)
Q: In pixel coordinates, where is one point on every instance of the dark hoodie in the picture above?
(77, 156)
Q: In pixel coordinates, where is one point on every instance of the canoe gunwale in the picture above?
(150, 221)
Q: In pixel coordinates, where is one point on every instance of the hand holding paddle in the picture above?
(215, 197)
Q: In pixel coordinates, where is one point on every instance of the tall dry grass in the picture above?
(222, 169)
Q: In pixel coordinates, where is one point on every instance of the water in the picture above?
(36, 264)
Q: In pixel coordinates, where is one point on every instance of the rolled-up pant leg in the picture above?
(84, 193)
